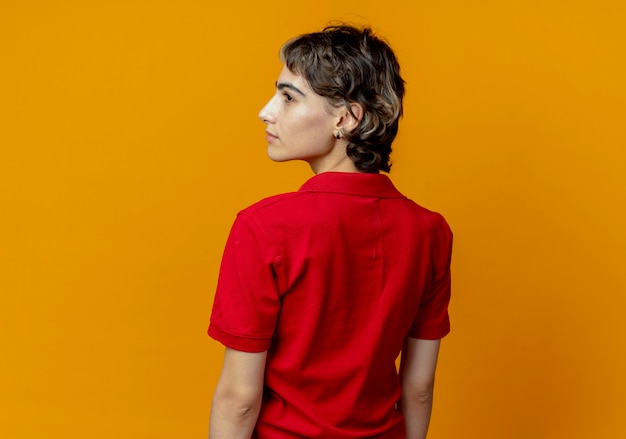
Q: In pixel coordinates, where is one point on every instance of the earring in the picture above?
(338, 135)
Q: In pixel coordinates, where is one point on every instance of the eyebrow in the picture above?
(283, 85)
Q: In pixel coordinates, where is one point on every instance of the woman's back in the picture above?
(347, 263)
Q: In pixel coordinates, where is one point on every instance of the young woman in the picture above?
(321, 289)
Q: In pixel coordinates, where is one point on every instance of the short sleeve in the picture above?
(247, 301)
(432, 321)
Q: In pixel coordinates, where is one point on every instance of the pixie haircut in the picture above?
(350, 65)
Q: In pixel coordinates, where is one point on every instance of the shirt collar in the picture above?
(352, 183)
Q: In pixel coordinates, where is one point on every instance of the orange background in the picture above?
(129, 141)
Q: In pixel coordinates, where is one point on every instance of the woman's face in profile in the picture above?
(300, 125)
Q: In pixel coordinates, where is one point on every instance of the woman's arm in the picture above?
(238, 395)
(417, 375)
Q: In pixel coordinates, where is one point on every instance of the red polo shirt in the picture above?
(331, 280)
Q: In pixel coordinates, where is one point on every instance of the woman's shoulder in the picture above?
(272, 203)
(429, 219)
(278, 211)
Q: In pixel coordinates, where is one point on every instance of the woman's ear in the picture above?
(350, 118)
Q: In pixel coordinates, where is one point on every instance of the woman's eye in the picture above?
(288, 97)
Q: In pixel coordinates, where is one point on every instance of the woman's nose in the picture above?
(266, 114)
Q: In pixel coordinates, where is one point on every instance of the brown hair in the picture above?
(347, 65)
